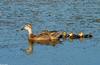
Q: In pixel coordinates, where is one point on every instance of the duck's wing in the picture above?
(44, 33)
(56, 34)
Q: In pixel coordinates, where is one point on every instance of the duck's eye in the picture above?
(26, 25)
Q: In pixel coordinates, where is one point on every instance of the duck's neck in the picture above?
(30, 32)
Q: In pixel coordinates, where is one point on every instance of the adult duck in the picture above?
(45, 37)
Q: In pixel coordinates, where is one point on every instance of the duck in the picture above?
(44, 38)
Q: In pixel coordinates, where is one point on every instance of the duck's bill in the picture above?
(22, 28)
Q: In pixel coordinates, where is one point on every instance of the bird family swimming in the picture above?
(49, 37)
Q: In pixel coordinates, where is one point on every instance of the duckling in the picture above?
(46, 37)
(81, 34)
(73, 36)
(65, 35)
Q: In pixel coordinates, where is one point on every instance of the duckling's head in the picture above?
(81, 34)
(71, 34)
(27, 27)
(64, 35)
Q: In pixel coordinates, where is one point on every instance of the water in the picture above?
(61, 15)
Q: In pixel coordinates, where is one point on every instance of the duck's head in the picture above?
(27, 27)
